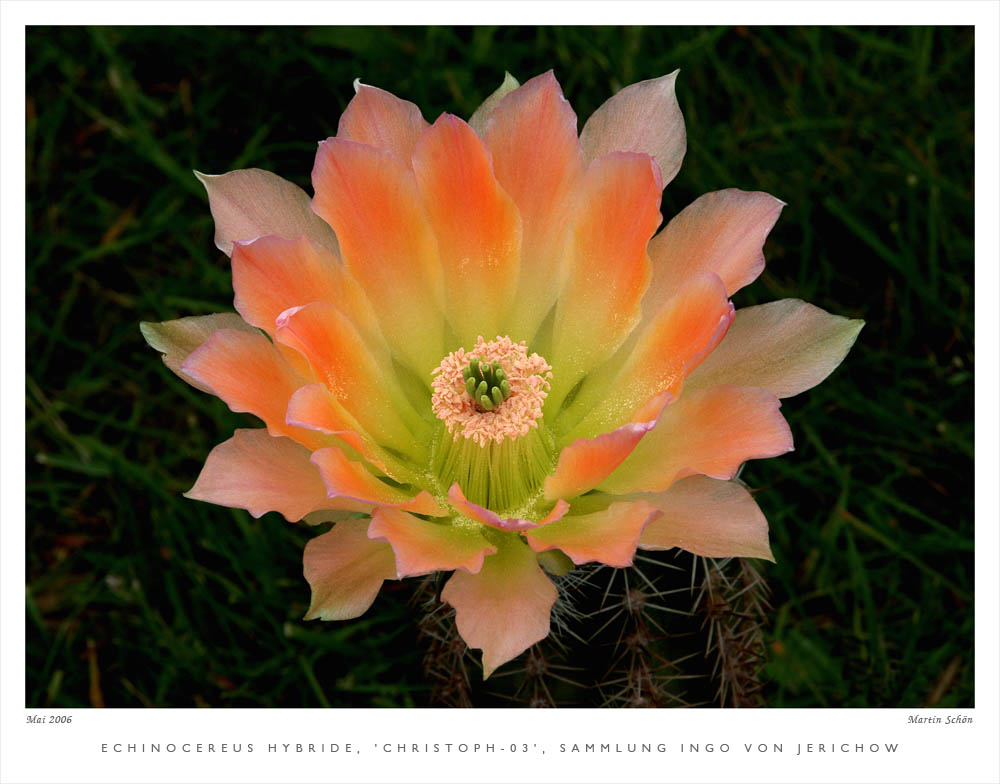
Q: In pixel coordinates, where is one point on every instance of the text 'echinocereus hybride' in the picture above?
(470, 350)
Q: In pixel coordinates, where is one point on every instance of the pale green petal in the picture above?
(786, 347)
(482, 114)
(178, 338)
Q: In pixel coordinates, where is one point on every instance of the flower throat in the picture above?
(493, 441)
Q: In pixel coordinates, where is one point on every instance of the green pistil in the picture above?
(486, 384)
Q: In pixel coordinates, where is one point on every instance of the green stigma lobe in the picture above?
(486, 383)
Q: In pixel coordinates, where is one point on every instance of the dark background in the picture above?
(137, 596)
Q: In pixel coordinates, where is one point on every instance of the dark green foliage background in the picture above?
(137, 596)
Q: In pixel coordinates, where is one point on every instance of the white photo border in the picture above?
(526, 745)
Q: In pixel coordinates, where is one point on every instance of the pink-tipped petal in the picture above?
(370, 197)
(359, 376)
(483, 515)
(250, 375)
(348, 479)
(477, 226)
(252, 203)
(608, 269)
(678, 338)
(178, 338)
(538, 161)
(558, 512)
(609, 536)
(422, 546)
(712, 432)
(658, 357)
(586, 462)
(380, 119)
(261, 473)
(272, 274)
(643, 117)
(315, 408)
(345, 570)
(504, 609)
(708, 517)
(721, 232)
(787, 347)
(487, 517)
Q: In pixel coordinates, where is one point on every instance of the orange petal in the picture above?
(260, 473)
(504, 609)
(345, 570)
(538, 161)
(557, 513)
(422, 547)
(483, 515)
(315, 408)
(477, 226)
(707, 517)
(249, 374)
(721, 232)
(712, 432)
(609, 536)
(678, 338)
(252, 203)
(178, 338)
(361, 381)
(273, 274)
(657, 359)
(380, 119)
(787, 347)
(608, 268)
(346, 479)
(370, 198)
(586, 462)
(643, 117)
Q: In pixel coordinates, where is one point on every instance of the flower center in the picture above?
(491, 393)
(490, 401)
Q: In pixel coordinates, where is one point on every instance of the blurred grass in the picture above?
(137, 596)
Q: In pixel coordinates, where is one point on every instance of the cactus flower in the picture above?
(473, 353)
